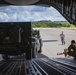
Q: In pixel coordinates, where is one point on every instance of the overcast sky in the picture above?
(29, 13)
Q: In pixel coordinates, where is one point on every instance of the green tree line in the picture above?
(50, 24)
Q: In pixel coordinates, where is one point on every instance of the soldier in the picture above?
(72, 49)
(41, 44)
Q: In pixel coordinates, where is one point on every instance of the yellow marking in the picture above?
(7, 38)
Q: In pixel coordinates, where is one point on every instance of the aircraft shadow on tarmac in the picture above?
(50, 40)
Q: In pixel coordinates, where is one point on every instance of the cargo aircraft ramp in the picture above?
(38, 66)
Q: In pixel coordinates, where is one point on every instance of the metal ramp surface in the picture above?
(38, 66)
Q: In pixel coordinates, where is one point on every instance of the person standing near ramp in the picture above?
(41, 44)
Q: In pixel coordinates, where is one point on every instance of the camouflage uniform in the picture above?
(72, 50)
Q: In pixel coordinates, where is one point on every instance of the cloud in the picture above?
(4, 16)
(29, 13)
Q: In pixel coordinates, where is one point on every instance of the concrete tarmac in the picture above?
(52, 42)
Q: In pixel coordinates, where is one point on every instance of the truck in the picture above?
(15, 39)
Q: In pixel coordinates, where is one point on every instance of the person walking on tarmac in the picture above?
(62, 36)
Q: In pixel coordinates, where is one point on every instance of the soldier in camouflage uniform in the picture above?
(72, 49)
